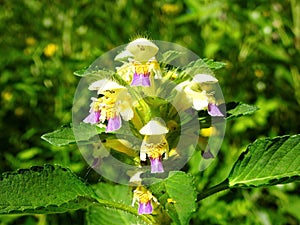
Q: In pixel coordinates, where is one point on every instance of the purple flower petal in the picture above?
(96, 163)
(145, 208)
(213, 110)
(93, 117)
(141, 80)
(113, 124)
(156, 165)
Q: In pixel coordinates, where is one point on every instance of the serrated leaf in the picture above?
(98, 215)
(238, 109)
(268, 161)
(48, 189)
(65, 135)
(177, 195)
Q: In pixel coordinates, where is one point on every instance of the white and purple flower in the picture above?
(190, 94)
(113, 105)
(142, 67)
(144, 198)
(154, 145)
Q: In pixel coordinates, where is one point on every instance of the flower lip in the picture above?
(105, 85)
(154, 127)
(204, 78)
(142, 49)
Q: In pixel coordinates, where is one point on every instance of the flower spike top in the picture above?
(114, 102)
(154, 145)
(143, 66)
(168, 95)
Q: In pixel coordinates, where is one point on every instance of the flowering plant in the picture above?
(149, 118)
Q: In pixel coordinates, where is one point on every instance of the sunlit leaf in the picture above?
(238, 109)
(177, 196)
(268, 162)
(98, 215)
(214, 64)
(65, 135)
(81, 72)
(48, 189)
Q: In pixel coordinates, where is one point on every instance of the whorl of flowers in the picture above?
(148, 96)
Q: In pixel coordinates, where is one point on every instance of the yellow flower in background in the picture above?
(170, 8)
(50, 50)
(30, 41)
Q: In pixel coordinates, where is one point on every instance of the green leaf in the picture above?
(60, 137)
(65, 135)
(169, 56)
(81, 72)
(94, 71)
(214, 64)
(268, 161)
(48, 189)
(177, 196)
(120, 194)
(238, 109)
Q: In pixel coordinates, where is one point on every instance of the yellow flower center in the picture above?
(106, 104)
(156, 150)
(141, 68)
(143, 195)
(144, 68)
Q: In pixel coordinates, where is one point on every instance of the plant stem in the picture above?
(215, 189)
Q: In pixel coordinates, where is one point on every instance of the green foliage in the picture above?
(235, 110)
(53, 189)
(65, 135)
(101, 215)
(268, 162)
(177, 195)
(48, 189)
(258, 41)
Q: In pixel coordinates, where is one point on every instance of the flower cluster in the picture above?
(117, 101)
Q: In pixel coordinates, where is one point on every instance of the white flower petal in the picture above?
(153, 127)
(142, 49)
(204, 78)
(104, 85)
(182, 85)
(200, 104)
(143, 156)
(123, 56)
(127, 114)
(136, 177)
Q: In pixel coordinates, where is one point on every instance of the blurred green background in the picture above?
(43, 42)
